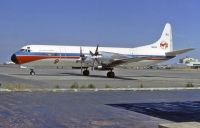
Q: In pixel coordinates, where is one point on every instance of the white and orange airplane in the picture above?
(98, 58)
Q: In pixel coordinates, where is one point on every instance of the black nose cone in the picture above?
(14, 59)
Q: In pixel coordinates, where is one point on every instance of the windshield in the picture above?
(25, 50)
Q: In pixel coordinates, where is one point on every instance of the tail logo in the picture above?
(164, 45)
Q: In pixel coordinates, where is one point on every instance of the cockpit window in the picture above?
(23, 50)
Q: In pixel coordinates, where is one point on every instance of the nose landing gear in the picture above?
(32, 72)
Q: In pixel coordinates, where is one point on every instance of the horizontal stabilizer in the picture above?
(177, 52)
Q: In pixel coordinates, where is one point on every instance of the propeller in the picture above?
(96, 51)
(94, 56)
(82, 56)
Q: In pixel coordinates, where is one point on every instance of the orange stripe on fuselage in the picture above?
(27, 59)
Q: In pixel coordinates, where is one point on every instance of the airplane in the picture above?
(97, 58)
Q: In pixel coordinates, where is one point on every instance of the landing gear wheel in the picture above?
(32, 73)
(111, 74)
(86, 72)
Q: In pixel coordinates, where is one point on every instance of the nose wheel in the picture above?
(111, 74)
(32, 72)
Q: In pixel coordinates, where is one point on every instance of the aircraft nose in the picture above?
(14, 58)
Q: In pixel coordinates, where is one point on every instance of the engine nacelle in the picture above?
(101, 68)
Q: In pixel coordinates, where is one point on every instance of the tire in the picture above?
(86, 72)
(32, 73)
(111, 75)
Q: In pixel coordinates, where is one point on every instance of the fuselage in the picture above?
(55, 55)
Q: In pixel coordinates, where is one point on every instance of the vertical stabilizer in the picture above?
(165, 43)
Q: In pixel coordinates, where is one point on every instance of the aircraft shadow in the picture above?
(41, 75)
(160, 76)
(100, 76)
(188, 111)
(78, 74)
(150, 76)
(124, 77)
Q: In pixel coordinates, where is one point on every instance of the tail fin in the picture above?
(164, 46)
(165, 43)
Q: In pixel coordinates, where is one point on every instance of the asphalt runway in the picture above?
(101, 109)
(125, 78)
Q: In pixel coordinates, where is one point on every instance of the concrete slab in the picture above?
(181, 125)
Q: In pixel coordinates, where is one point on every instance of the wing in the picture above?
(110, 59)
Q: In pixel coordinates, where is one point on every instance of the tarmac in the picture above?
(84, 108)
(125, 78)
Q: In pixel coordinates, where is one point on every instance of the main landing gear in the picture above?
(32, 72)
(86, 72)
(111, 74)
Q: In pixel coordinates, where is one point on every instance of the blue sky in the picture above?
(119, 23)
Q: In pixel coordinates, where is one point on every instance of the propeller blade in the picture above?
(95, 55)
(96, 51)
(81, 66)
(92, 54)
(97, 60)
(81, 57)
(93, 65)
(81, 52)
